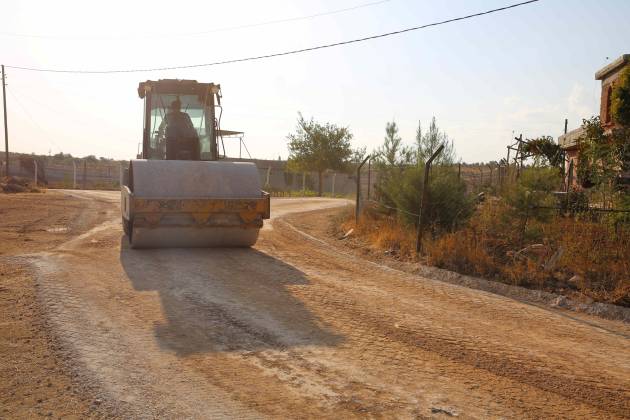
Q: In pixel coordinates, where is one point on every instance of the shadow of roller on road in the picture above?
(225, 299)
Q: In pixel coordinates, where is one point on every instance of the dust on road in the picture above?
(294, 328)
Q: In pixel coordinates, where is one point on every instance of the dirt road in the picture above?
(294, 328)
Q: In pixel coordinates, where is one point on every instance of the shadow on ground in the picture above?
(225, 299)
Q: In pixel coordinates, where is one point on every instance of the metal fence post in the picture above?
(333, 183)
(74, 174)
(424, 200)
(357, 209)
(303, 183)
(35, 174)
(84, 174)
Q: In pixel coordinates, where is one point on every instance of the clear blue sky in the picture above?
(522, 70)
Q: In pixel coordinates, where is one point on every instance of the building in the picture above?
(569, 141)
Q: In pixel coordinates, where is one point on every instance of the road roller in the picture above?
(180, 192)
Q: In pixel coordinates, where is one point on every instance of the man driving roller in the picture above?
(179, 132)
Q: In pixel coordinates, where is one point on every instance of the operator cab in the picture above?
(179, 119)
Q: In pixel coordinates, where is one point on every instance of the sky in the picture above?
(485, 79)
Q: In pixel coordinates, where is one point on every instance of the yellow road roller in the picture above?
(179, 192)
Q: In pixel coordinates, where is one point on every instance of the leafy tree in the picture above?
(546, 152)
(393, 152)
(401, 174)
(391, 157)
(427, 143)
(358, 155)
(90, 158)
(602, 154)
(318, 147)
(620, 100)
(449, 206)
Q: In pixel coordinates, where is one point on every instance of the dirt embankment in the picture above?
(326, 225)
(35, 381)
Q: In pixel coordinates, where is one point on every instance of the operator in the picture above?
(177, 124)
(178, 130)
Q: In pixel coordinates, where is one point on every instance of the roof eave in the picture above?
(605, 71)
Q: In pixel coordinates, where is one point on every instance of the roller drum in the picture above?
(181, 180)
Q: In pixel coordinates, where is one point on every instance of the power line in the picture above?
(32, 120)
(224, 29)
(279, 54)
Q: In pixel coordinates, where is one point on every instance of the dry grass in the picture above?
(585, 259)
(383, 233)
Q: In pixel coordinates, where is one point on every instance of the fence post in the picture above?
(507, 165)
(569, 182)
(333, 183)
(303, 183)
(369, 177)
(74, 174)
(357, 208)
(424, 199)
(268, 174)
(84, 173)
(35, 175)
(491, 170)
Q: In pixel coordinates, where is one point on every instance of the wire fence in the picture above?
(74, 173)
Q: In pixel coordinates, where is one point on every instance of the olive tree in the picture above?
(317, 147)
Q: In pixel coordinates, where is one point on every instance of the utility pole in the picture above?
(6, 128)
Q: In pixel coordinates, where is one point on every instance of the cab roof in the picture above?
(175, 86)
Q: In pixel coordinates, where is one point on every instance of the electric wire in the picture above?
(224, 29)
(32, 120)
(278, 54)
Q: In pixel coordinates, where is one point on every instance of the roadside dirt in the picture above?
(298, 328)
(42, 221)
(36, 379)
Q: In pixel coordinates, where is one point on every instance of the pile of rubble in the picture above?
(14, 184)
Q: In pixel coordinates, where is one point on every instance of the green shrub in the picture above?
(449, 205)
(532, 191)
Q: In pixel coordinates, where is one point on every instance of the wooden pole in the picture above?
(522, 158)
(357, 207)
(491, 170)
(369, 177)
(569, 177)
(6, 127)
(507, 165)
(424, 199)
